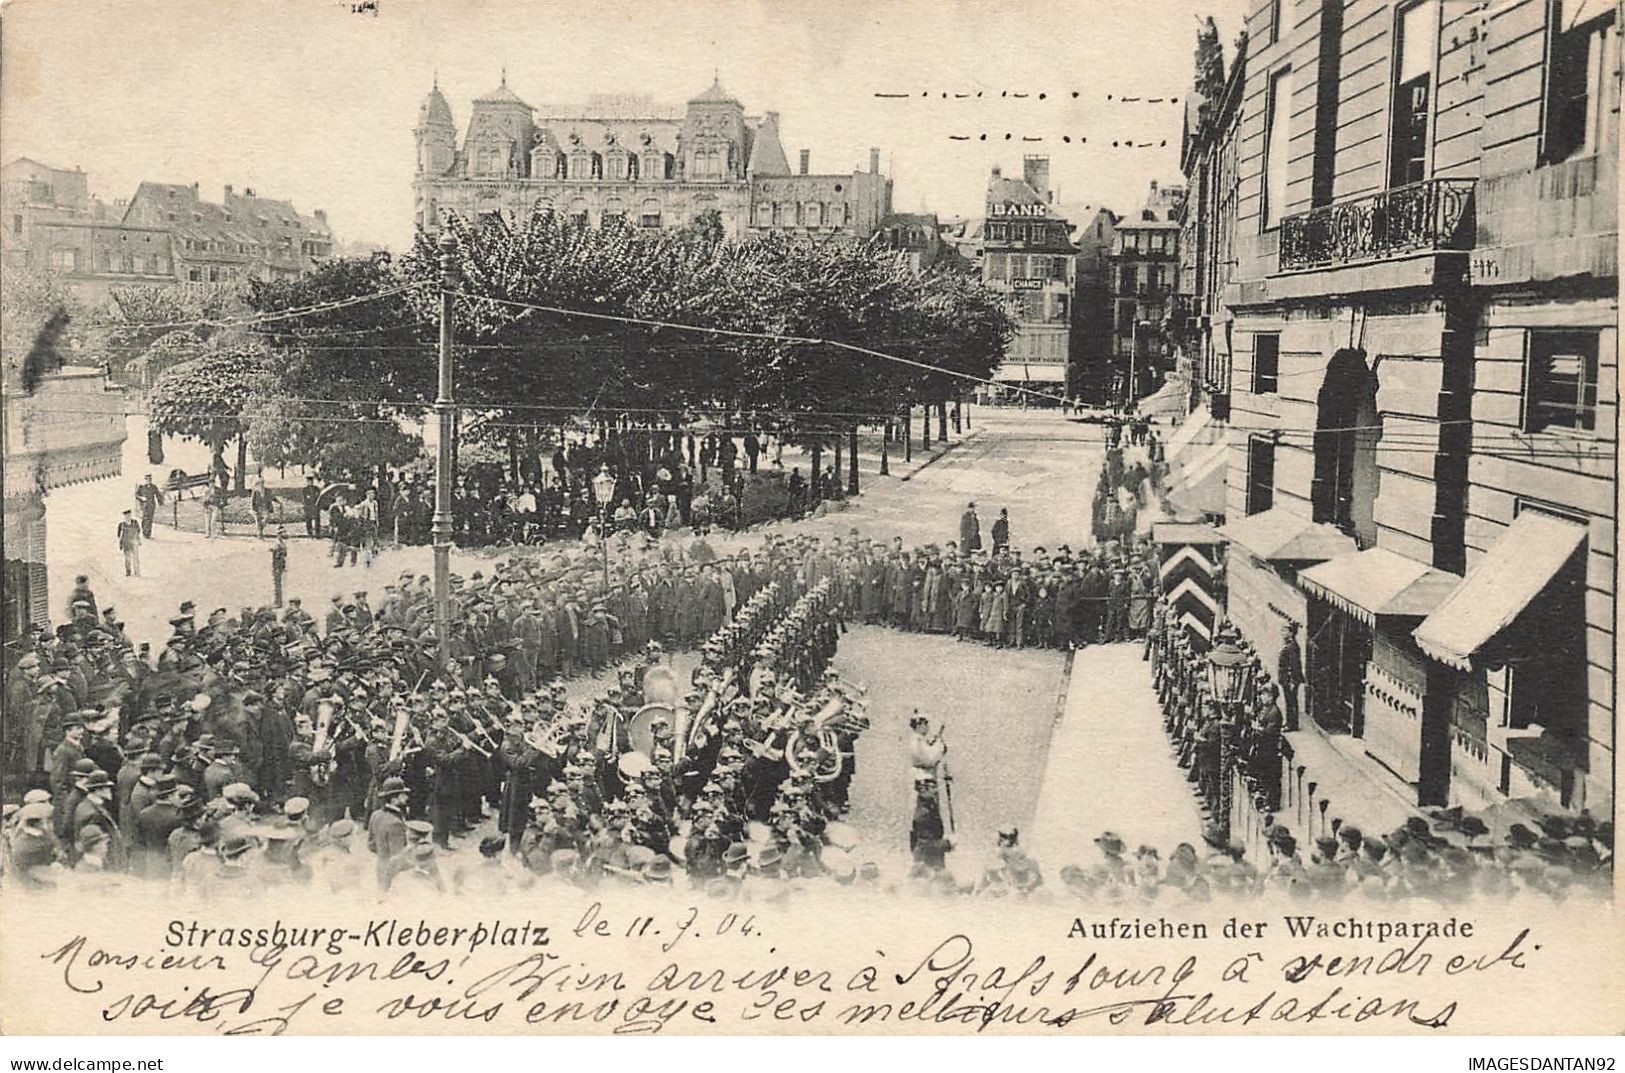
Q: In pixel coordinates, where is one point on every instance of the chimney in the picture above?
(998, 172)
(806, 159)
(228, 190)
(248, 191)
(321, 214)
(1035, 169)
(874, 161)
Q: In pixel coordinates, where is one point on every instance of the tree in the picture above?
(203, 398)
(344, 377)
(138, 319)
(803, 328)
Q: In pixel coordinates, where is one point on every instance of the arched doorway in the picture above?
(1347, 430)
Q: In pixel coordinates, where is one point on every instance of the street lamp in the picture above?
(1229, 669)
(445, 411)
(603, 490)
(1230, 672)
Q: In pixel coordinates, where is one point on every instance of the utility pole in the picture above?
(1133, 357)
(445, 413)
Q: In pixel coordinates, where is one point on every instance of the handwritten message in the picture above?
(730, 969)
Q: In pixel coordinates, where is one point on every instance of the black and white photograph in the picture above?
(1005, 518)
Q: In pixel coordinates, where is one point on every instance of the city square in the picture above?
(657, 509)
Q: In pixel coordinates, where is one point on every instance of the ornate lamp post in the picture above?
(445, 412)
(1230, 672)
(603, 490)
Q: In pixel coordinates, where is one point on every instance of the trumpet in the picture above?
(470, 744)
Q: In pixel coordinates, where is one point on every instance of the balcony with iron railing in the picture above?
(1432, 216)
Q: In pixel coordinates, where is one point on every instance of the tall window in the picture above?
(1560, 383)
(1276, 138)
(1413, 92)
(1266, 363)
(1260, 474)
(1580, 78)
(1274, 28)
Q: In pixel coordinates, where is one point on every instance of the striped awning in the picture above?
(1378, 583)
(1028, 372)
(1277, 535)
(1495, 592)
(1200, 485)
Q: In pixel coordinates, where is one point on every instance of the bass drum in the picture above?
(640, 734)
(818, 753)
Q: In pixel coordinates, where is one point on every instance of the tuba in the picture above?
(321, 771)
(816, 750)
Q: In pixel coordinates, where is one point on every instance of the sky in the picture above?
(314, 101)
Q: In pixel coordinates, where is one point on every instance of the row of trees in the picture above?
(335, 388)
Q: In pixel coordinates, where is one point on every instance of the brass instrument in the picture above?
(640, 734)
(397, 734)
(321, 770)
(817, 749)
(470, 744)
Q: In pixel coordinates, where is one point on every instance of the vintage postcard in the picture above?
(747, 517)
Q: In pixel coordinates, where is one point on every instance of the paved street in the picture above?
(1012, 761)
(1111, 766)
(998, 707)
(1038, 464)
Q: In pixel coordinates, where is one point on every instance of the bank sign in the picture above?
(1010, 208)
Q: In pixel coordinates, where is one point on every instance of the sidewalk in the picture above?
(1356, 793)
(869, 456)
(1111, 767)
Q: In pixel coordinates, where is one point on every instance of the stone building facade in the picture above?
(1027, 254)
(1093, 233)
(1422, 465)
(1141, 277)
(52, 222)
(631, 159)
(1210, 159)
(165, 234)
(70, 430)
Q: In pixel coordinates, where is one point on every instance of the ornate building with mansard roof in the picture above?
(629, 158)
